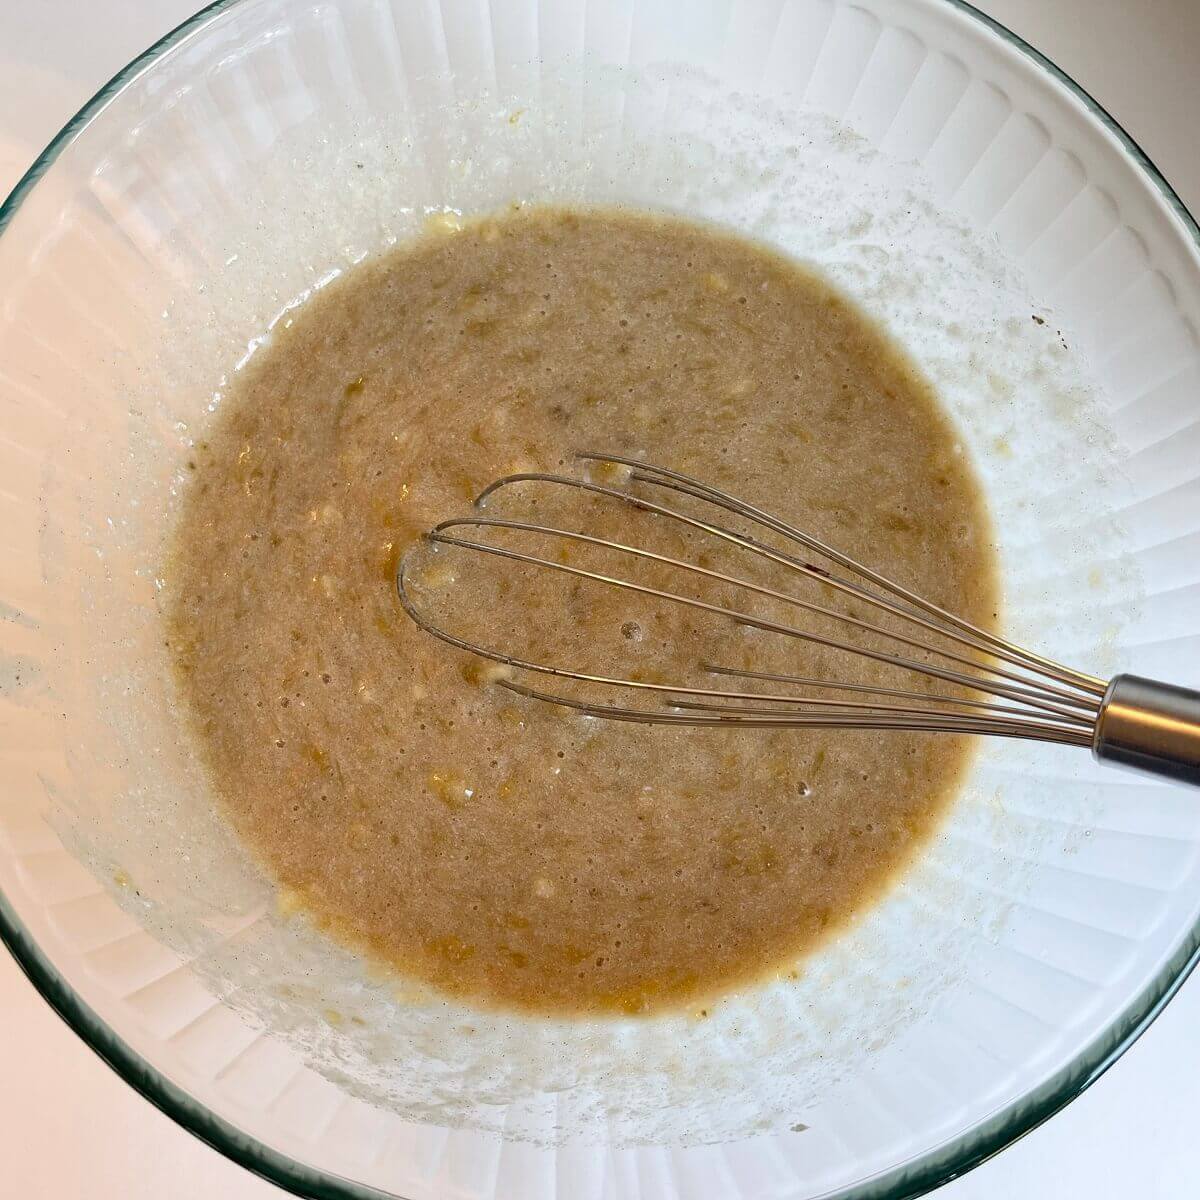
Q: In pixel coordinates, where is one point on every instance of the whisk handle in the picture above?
(1150, 726)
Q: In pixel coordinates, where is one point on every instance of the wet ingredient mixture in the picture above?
(500, 850)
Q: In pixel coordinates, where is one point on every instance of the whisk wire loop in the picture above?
(1029, 695)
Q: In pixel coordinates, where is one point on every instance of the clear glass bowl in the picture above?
(976, 200)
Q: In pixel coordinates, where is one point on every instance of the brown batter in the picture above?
(504, 851)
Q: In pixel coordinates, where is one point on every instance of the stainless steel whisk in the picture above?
(1128, 720)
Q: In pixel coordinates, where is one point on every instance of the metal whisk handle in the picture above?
(1150, 726)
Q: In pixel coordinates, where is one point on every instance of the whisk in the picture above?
(995, 687)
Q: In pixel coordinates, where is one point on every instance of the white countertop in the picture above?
(70, 1128)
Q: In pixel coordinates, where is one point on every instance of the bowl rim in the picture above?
(902, 1182)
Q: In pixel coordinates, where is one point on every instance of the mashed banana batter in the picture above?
(500, 850)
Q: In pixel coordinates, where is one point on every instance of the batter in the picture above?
(499, 850)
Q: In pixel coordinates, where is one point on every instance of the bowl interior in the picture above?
(1003, 232)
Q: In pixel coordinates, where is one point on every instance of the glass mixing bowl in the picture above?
(974, 199)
